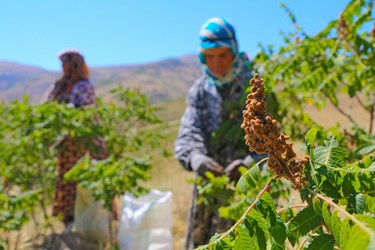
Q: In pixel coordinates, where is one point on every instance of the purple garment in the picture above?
(82, 94)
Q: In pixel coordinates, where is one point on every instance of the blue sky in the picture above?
(121, 32)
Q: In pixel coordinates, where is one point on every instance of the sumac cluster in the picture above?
(263, 136)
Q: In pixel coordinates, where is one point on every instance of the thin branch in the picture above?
(302, 244)
(281, 210)
(350, 216)
(360, 102)
(371, 110)
(372, 115)
(347, 170)
(17, 241)
(340, 110)
(244, 215)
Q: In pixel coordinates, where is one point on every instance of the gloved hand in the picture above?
(201, 164)
(210, 166)
(232, 170)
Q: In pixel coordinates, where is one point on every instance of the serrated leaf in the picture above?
(267, 207)
(249, 227)
(244, 240)
(322, 242)
(356, 202)
(337, 226)
(330, 154)
(305, 221)
(348, 185)
(330, 190)
(248, 180)
(222, 245)
(278, 231)
(260, 228)
(368, 228)
(325, 173)
(358, 239)
(261, 234)
(370, 204)
(268, 201)
(276, 246)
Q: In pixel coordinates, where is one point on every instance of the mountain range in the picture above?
(165, 80)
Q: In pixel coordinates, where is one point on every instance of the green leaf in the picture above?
(305, 221)
(309, 142)
(304, 194)
(244, 240)
(330, 154)
(260, 228)
(249, 180)
(366, 149)
(323, 171)
(348, 184)
(337, 226)
(222, 245)
(268, 208)
(317, 205)
(330, 190)
(370, 204)
(278, 231)
(356, 203)
(358, 239)
(351, 90)
(322, 242)
(249, 226)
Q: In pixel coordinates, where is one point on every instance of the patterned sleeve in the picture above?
(190, 149)
(83, 94)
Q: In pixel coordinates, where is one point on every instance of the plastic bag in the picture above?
(146, 221)
(91, 220)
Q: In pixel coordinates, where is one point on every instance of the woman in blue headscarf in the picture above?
(210, 137)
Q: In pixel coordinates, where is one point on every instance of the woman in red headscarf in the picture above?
(73, 87)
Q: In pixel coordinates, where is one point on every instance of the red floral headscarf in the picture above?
(77, 70)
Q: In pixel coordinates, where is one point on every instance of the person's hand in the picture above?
(232, 170)
(210, 166)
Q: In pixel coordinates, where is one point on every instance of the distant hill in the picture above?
(165, 80)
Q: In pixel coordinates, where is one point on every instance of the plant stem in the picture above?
(370, 109)
(314, 174)
(110, 227)
(268, 185)
(279, 211)
(302, 244)
(348, 170)
(35, 221)
(372, 115)
(45, 214)
(350, 216)
(17, 240)
(340, 110)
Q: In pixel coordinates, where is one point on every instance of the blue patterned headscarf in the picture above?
(219, 33)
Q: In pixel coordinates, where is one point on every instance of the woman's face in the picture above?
(218, 60)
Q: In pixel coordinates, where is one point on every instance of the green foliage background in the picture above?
(29, 137)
